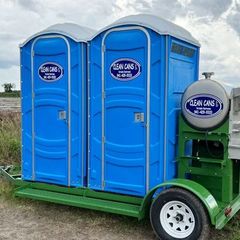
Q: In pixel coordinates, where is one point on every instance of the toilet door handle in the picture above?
(62, 115)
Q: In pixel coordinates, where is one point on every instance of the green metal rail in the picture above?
(78, 197)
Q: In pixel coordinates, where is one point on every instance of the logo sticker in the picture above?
(204, 106)
(125, 69)
(50, 71)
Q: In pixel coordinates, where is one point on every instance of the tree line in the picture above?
(8, 87)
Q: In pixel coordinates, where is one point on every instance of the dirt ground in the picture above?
(32, 220)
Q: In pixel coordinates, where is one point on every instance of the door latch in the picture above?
(138, 117)
(62, 115)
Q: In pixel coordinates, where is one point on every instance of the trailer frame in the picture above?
(219, 213)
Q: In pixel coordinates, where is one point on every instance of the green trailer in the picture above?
(206, 191)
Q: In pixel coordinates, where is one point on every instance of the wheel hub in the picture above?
(177, 219)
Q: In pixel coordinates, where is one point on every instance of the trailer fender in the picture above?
(198, 190)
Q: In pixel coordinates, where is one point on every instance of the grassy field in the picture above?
(94, 225)
(10, 94)
(10, 138)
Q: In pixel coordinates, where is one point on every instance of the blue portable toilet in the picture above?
(139, 68)
(53, 83)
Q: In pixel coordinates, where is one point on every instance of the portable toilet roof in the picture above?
(155, 23)
(74, 31)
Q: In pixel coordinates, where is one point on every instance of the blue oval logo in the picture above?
(204, 106)
(50, 71)
(125, 69)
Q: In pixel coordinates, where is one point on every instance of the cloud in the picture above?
(214, 23)
(8, 63)
(32, 5)
(220, 47)
(233, 17)
(164, 8)
(209, 7)
(10, 75)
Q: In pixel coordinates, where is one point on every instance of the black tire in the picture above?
(198, 231)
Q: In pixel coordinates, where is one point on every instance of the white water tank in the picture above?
(205, 104)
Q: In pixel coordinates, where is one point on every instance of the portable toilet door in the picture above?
(53, 82)
(122, 155)
(128, 65)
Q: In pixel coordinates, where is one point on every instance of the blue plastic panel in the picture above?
(182, 72)
(47, 134)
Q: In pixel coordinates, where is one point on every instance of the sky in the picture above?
(214, 23)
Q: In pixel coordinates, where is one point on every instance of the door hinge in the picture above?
(103, 48)
(33, 53)
(33, 95)
(103, 184)
(103, 139)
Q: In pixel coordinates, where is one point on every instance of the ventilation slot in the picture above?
(182, 50)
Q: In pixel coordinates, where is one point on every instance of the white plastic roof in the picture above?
(155, 23)
(76, 32)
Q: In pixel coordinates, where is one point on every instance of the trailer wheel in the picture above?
(178, 214)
